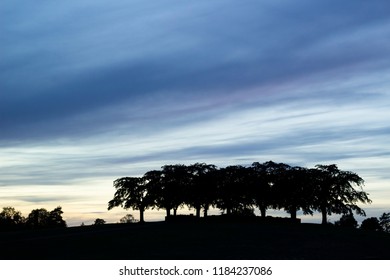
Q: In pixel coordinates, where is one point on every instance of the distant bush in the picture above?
(128, 219)
(347, 220)
(371, 224)
(99, 222)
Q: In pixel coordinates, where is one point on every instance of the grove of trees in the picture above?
(238, 190)
(11, 219)
(381, 224)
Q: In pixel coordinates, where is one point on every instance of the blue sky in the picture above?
(91, 91)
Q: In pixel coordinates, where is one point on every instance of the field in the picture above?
(196, 240)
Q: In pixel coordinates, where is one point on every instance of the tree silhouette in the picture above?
(128, 219)
(372, 224)
(267, 176)
(11, 218)
(176, 182)
(335, 192)
(201, 189)
(234, 190)
(169, 187)
(55, 218)
(99, 222)
(38, 218)
(294, 190)
(156, 190)
(384, 221)
(347, 220)
(41, 218)
(131, 192)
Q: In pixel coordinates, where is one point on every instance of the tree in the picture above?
(293, 190)
(371, 224)
(11, 218)
(234, 190)
(347, 220)
(55, 218)
(266, 178)
(335, 192)
(38, 218)
(99, 222)
(384, 222)
(169, 187)
(131, 192)
(176, 182)
(128, 219)
(201, 188)
(155, 186)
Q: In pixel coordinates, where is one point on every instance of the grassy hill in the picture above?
(201, 240)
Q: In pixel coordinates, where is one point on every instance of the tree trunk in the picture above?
(263, 210)
(168, 212)
(324, 215)
(206, 208)
(293, 212)
(141, 215)
(198, 211)
(174, 211)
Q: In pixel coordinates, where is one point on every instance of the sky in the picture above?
(91, 91)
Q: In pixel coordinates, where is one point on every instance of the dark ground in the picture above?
(202, 240)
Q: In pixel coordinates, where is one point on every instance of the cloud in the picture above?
(72, 72)
(42, 199)
(298, 131)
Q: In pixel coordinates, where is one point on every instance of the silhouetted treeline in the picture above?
(11, 219)
(372, 224)
(238, 190)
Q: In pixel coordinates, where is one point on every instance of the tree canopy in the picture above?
(335, 191)
(11, 218)
(41, 218)
(131, 192)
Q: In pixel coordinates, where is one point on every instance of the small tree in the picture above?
(99, 222)
(347, 220)
(371, 224)
(128, 219)
(11, 218)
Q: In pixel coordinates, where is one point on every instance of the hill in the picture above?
(202, 240)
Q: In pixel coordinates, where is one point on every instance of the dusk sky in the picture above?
(91, 91)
